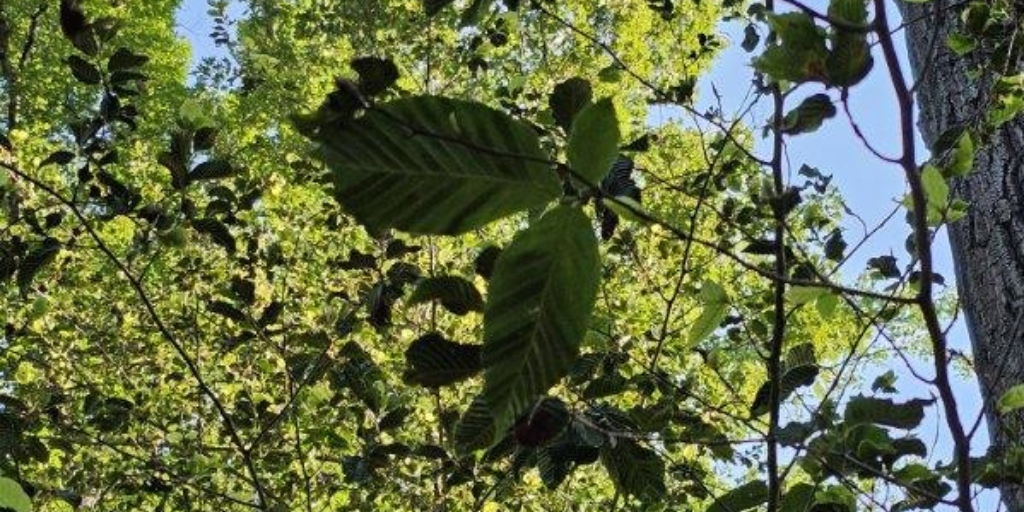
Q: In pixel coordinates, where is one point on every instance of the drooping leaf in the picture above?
(908, 415)
(594, 141)
(475, 430)
(454, 293)
(541, 295)
(83, 71)
(808, 117)
(433, 361)
(568, 99)
(744, 497)
(850, 59)
(436, 166)
(634, 469)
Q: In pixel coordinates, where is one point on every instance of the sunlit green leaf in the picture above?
(434, 165)
(541, 294)
(594, 141)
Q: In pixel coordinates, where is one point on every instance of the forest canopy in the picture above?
(441, 255)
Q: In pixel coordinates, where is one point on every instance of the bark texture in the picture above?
(988, 245)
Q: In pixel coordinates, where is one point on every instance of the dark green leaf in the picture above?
(432, 7)
(436, 166)
(854, 12)
(211, 170)
(744, 497)
(885, 383)
(217, 231)
(750, 38)
(124, 59)
(568, 99)
(474, 14)
(227, 310)
(850, 59)
(542, 292)
(433, 361)
(204, 138)
(484, 262)
(792, 380)
(83, 71)
(35, 260)
(59, 158)
(798, 498)
(635, 470)
(594, 141)
(809, 115)
(375, 74)
(835, 246)
(885, 265)
(455, 294)
(799, 53)
(475, 430)
(862, 409)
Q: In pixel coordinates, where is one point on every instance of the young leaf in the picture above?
(436, 166)
(936, 189)
(594, 141)
(541, 295)
(962, 161)
(455, 294)
(432, 361)
(1012, 400)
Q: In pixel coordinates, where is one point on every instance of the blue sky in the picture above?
(869, 186)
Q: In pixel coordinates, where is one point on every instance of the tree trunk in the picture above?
(988, 244)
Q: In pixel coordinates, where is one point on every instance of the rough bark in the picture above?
(988, 245)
